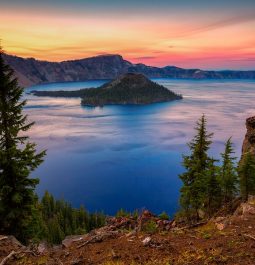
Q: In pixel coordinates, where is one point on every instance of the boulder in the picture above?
(247, 209)
(69, 240)
(146, 241)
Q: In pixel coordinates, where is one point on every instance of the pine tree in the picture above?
(247, 175)
(48, 205)
(196, 165)
(18, 158)
(213, 191)
(228, 173)
(59, 219)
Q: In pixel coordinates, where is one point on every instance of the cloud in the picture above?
(243, 60)
(145, 58)
(246, 17)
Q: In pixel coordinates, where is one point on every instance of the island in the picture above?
(130, 88)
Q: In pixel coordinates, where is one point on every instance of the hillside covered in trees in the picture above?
(127, 89)
(59, 219)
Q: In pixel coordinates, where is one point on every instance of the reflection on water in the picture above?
(129, 156)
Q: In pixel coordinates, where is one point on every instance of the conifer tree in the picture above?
(196, 165)
(228, 173)
(18, 158)
(247, 175)
(212, 196)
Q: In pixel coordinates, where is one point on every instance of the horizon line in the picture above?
(116, 54)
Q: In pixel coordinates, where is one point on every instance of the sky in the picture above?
(216, 34)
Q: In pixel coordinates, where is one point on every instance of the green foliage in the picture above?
(123, 213)
(59, 219)
(247, 175)
(206, 186)
(135, 214)
(18, 158)
(196, 165)
(212, 195)
(228, 173)
(129, 89)
(150, 227)
(164, 216)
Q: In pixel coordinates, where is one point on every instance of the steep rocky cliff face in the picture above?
(30, 71)
(249, 140)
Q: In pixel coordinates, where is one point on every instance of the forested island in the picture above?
(127, 89)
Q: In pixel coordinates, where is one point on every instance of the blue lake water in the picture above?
(130, 156)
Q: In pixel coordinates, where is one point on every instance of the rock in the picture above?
(69, 240)
(247, 209)
(220, 226)
(131, 234)
(77, 262)
(144, 218)
(121, 223)
(167, 227)
(173, 224)
(249, 140)
(160, 225)
(219, 219)
(42, 247)
(114, 255)
(11, 241)
(100, 235)
(221, 222)
(14, 241)
(146, 241)
(251, 199)
(147, 214)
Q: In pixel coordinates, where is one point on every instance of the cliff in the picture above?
(249, 140)
(31, 71)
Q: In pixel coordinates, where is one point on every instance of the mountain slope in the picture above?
(225, 240)
(30, 71)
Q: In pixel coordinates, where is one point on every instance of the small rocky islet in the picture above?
(128, 89)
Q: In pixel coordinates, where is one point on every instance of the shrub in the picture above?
(122, 213)
(164, 216)
(150, 227)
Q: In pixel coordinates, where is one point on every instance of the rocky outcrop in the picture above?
(31, 71)
(223, 240)
(249, 140)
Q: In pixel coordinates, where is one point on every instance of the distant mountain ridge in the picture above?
(31, 71)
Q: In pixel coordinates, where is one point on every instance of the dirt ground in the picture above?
(227, 240)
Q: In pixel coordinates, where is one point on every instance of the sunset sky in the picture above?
(216, 34)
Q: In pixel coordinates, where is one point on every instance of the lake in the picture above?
(130, 156)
